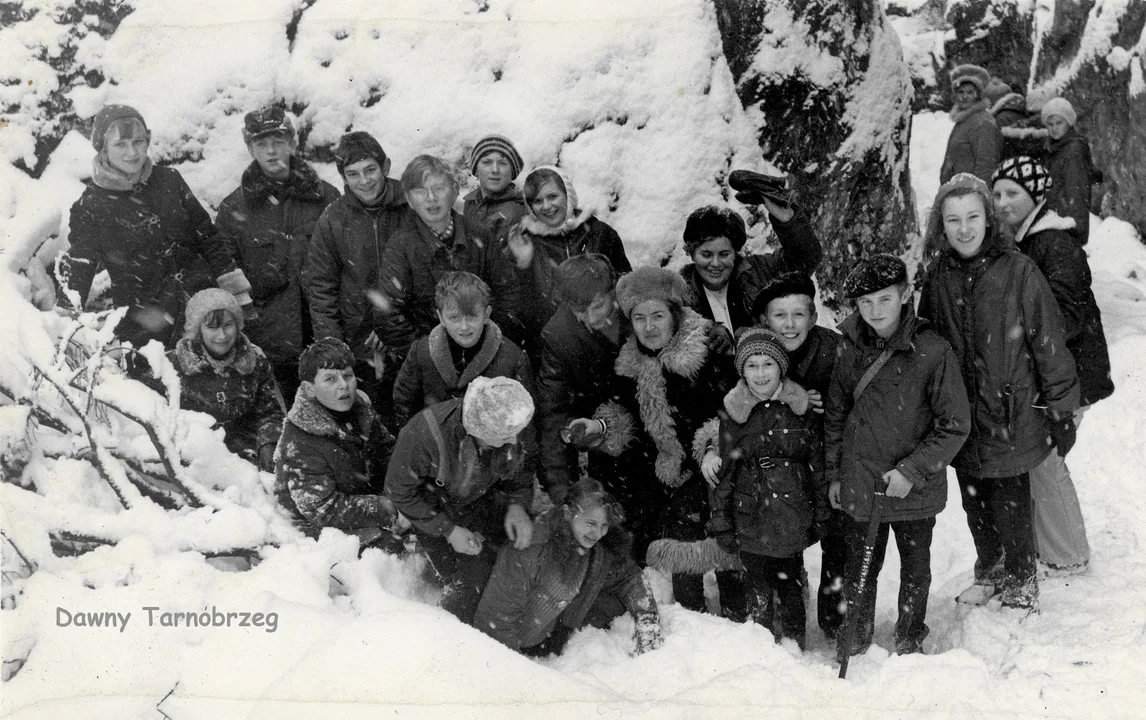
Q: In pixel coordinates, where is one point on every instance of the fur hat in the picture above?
(357, 146)
(758, 341)
(496, 143)
(1061, 107)
(496, 408)
(874, 274)
(650, 283)
(789, 283)
(266, 121)
(106, 116)
(712, 221)
(1027, 172)
(973, 74)
(203, 303)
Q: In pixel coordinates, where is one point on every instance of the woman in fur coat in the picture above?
(668, 384)
(226, 376)
(975, 142)
(576, 571)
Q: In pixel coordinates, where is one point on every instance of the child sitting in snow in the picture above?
(577, 571)
(333, 452)
(896, 415)
(226, 376)
(465, 344)
(771, 461)
(497, 204)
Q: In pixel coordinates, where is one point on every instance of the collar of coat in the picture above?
(444, 362)
(740, 401)
(960, 115)
(1042, 218)
(684, 355)
(533, 226)
(302, 183)
(856, 330)
(193, 358)
(311, 416)
(391, 197)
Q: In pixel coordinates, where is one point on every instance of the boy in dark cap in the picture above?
(267, 223)
(497, 204)
(345, 253)
(896, 415)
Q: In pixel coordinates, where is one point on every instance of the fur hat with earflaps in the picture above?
(973, 74)
(650, 283)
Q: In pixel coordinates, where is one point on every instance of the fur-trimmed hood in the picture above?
(575, 218)
(310, 416)
(192, 358)
(444, 362)
(1043, 218)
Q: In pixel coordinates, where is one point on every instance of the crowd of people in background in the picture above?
(491, 383)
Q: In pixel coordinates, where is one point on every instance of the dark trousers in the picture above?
(464, 577)
(830, 607)
(999, 517)
(688, 591)
(913, 539)
(783, 577)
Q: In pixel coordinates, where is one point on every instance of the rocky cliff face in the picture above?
(827, 88)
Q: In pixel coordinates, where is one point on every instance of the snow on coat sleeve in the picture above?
(1046, 338)
(316, 495)
(82, 260)
(321, 276)
(947, 400)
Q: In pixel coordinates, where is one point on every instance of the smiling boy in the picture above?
(497, 204)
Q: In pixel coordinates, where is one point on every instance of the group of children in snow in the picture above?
(513, 341)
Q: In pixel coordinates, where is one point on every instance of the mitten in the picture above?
(236, 283)
(752, 187)
(647, 632)
(719, 340)
(1063, 433)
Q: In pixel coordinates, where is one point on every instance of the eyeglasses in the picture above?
(436, 190)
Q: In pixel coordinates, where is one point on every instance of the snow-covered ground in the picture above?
(359, 637)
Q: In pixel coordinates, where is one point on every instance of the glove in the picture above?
(1063, 433)
(752, 187)
(719, 340)
(647, 632)
(727, 541)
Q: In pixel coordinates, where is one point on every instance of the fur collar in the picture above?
(739, 402)
(532, 225)
(444, 363)
(959, 116)
(684, 355)
(302, 183)
(194, 359)
(1039, 221)
(310, 416)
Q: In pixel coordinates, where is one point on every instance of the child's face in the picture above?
(494, 172)
(272, 153)
(336, 388)
(600, 314)
(1057, 127)
(588, 526)
(551, 204)
(127, 150)
(463, 328)
(965, 223)
(1012, 203)
(762, 375)
(882, 309)
(365, 179)
(791, 317)
(220, 339)
(434, 201)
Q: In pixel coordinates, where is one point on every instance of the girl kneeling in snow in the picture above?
(770, 487)
(226, 376)
(577, 571)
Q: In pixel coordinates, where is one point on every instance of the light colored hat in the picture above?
(496, 408)
(1062, 108)
(203, 303)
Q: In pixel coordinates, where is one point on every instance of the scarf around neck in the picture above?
(110, 178)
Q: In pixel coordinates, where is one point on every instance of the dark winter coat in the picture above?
(772, 487)
(1019, 135)
(240, 394)
(1048, 242)
(575, 376)
(1001, 319)
(974, 144)
(267, 227)
(659, 402)
(799, 251)
(156, 242)
(428, 376)
(345, 260)
(496, 214)
(416, 260)
(531, 590)
(433, 490)
(1071, 172)
(913, 416)
(579, 235)
(810, 365)
(327, 475)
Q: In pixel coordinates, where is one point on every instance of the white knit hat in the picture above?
(496, 408)
(203, 303)
(1061, 107)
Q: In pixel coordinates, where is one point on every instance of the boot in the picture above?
(1021, 593)
(988, 583)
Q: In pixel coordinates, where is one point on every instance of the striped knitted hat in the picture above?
(758, 341)
(496, 143)
(1027, 172)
